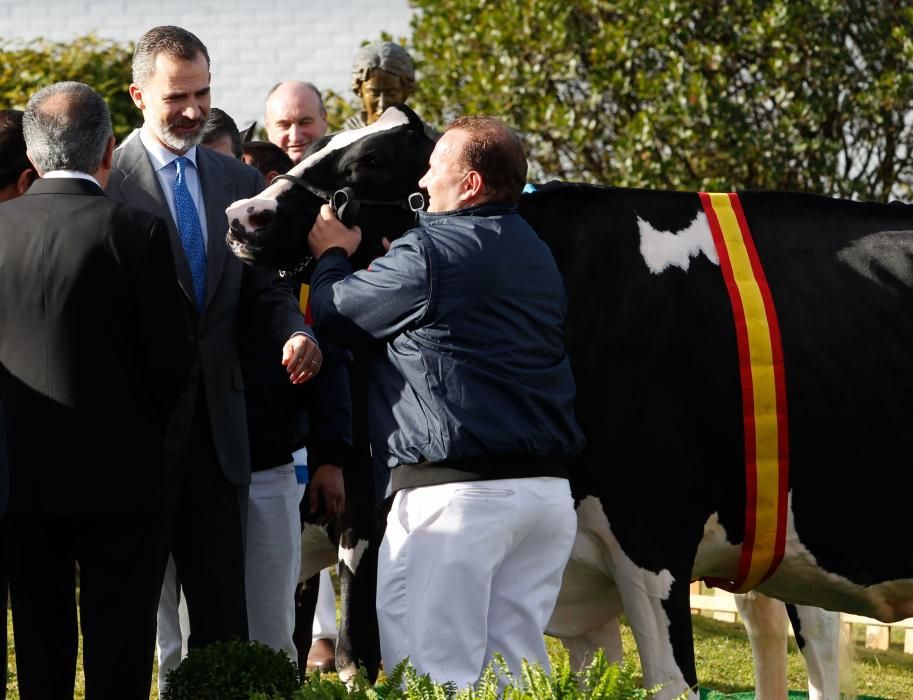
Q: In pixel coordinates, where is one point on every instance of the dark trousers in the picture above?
(119, 583)
(205, 519)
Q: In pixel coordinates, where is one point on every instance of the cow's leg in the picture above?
(305, 604)
(358, 641)
(818, 636)
(657, 605)
(765, 621)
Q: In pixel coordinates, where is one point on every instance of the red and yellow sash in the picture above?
(763, 393)
(303, 298)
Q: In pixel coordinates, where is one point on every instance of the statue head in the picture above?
(383, 74)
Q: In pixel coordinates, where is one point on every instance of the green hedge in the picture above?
(104, 64)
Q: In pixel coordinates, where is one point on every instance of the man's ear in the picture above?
(136, 94)
(107, 160)
(270, 176)
(472, 187)
(28, 154)
(26, 178)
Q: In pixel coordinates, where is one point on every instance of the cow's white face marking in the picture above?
(246, 210)
(352, 557)
(660, 249)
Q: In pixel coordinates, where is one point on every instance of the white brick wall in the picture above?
(253, 44)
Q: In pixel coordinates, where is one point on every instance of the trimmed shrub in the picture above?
(236, 670)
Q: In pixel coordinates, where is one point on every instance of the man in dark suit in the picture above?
(16, 174)
(93, 356)
(161, 169)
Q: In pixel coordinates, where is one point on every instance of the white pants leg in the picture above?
(472, 568)
(273, 557)
(173, 626)
(324, 626)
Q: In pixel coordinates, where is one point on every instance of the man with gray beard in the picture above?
(160, 168)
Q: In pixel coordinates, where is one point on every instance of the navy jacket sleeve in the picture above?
(358, 308)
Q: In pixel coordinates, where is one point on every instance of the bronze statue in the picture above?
(383, 74)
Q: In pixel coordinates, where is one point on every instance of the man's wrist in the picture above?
(335, 250)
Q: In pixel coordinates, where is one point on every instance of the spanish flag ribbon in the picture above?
(303, 303)
(763, 393)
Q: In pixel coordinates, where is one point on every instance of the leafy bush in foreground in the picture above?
(599, 681)
(251, 671)
(233, 670)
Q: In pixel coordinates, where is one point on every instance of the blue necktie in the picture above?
(191, 231)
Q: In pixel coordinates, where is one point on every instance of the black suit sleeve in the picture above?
(330, 410)
(268, 306)
(165, 326)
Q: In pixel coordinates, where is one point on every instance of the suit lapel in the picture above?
(140, 188)
(218, 193)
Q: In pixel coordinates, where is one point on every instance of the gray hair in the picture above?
(67, 126)
(387, 56)
(175, 42)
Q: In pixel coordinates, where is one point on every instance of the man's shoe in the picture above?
(322, 656)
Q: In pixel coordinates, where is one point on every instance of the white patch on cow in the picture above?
(661, 249)
(266, 201)
(390, 119)
(317, 551)
(351, 557)
(716, 556)
(599, 555)
(821, 631)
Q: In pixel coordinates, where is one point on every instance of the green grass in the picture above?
(723, 660)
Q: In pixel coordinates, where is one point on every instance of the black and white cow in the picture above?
(665, 396)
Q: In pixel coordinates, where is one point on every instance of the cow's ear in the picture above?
(136, 94)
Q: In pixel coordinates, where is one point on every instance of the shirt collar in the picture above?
(78, 174)
(161, 157)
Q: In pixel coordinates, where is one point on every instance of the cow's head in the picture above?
(380, 163)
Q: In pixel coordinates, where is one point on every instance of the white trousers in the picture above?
(273, 557)
(324, 626)
(272, 564)
(470, 569)
(173, 626)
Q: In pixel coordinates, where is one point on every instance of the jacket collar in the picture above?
(65, 185)
(485, 209)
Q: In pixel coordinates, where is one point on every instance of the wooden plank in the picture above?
(877, 637)
(714, 603)
(860, 620)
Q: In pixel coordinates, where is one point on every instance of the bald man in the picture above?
(295, 117)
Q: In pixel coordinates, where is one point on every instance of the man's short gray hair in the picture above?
(174, 42)
(67, 127)
(387, 56)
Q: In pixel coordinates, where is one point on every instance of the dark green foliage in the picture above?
(100, 63)
(233, 671)
(685, 94)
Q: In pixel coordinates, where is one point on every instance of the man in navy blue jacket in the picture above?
(472, 412)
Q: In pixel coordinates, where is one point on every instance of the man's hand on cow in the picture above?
(301, 358)
(329, 232)
(327, 493)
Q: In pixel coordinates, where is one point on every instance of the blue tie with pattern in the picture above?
(191, 231)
